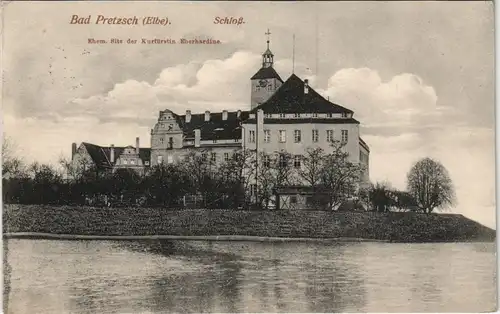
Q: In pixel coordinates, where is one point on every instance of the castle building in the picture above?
(288, 116)
(108, 159)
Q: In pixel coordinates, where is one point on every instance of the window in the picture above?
(309, 200)
(329, 115)
(226, 156)
(170, 159)
(204, 156)
(161, 140)
(329, 136)
(159, 159)
(146, 163)
(282, 135)
(213, 156)
(269, 87)
(267, 136)
(132, 162)
(315, 115)
(297, 135)
(345, 136)
(296, 161)
(283, 162)
(293, 199)
(344, 115)
(125, 161)
(253, 189)
(251, 138)
(268, 115)
(282, 115)
(170, 142)
(266, 161)
(315, 136)
(297, 115)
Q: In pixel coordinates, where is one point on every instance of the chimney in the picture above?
(137, 145)
(188, 116)
(306, 86)
(238, 114)
(73, 150)
(207, 115)
(259, 128)
(197, 137)
(112, 153)
(224, 114)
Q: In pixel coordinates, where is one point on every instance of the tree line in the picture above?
(246, 180)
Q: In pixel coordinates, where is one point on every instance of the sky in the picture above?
(418, 75)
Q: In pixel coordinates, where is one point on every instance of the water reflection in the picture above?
(158, 277)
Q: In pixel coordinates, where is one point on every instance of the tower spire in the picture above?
(268, 33)
(267, 57)
(293, 55)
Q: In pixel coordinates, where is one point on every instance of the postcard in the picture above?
(239, 157)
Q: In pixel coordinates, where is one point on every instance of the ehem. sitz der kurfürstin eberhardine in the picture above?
(285, 116)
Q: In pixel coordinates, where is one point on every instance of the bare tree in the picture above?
(12, 166)
(266, 178)
(430, 185)
(235, 175)
(312, 164)
(340, 177)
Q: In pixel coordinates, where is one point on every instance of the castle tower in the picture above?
(266, 81)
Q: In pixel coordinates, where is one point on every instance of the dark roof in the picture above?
(101, 155)
(216, 128)
(266, 73)
(97, 154)
(307, 120)
(290, 98)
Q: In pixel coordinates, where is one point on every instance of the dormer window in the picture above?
(329, 115)
(282, 115)
(268, 115)
(297, 115)
(344, 115)
(315, 115)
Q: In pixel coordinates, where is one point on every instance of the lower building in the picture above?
(108, 159)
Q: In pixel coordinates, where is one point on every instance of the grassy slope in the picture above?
(400, 227)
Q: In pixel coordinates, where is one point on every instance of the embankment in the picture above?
(200, 223)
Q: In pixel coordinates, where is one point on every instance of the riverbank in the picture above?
(28, 221)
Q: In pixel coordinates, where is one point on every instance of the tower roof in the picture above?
(291, 98)
(266, 73)
(268, 52)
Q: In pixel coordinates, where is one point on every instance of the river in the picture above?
(48, 276)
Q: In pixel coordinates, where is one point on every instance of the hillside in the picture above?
(395, 227)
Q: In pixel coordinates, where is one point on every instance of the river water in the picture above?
(47, 276)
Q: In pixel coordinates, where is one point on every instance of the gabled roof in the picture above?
(266, 73)
(101, 155)
(290, 98)
(216, 128)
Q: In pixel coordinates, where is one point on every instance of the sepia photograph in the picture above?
(248, 157)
